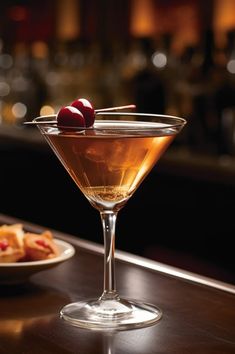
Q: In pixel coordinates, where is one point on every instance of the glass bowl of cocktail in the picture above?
(108, 162)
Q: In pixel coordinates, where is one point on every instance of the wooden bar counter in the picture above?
(198, 312)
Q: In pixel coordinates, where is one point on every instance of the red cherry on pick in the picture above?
(87, 110)
(70, 117)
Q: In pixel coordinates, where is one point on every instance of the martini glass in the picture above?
(108, 162)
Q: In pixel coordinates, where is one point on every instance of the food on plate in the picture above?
(16, 245)
(11, 243)
(39, 247)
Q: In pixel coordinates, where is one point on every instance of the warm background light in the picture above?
(178, 19)
(67, 19)
(224, 19)
(224, 15)
(39, 49)
(183, 23)
(143, 18)
(46, 110)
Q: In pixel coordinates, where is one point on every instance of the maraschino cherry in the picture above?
(81, 114)
(69, 116)
(85, 106)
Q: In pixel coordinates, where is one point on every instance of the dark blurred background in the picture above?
(167, 56)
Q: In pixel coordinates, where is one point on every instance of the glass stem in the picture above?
(108, 219)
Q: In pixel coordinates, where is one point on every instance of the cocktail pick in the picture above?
(97, 111)
(118, 108)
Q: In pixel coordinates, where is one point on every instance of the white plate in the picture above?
(11, 273)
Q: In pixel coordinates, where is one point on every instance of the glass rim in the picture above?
(170, 121)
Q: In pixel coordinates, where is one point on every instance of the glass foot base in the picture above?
(111, 314)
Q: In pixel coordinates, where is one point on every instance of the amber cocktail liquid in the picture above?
(108, 162)
(107, 166)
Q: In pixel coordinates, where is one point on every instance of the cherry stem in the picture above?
(132, 106)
